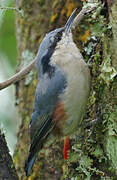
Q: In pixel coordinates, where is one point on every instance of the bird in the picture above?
(62, 91)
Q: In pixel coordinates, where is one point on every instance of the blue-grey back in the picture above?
(47, 96)
(48, 91)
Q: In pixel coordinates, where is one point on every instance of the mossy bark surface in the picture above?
(94, 151)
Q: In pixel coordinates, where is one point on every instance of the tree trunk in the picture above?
(94, 151)
(7, 170)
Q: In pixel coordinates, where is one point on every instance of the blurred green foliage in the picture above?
(9, 120)
(7, 35)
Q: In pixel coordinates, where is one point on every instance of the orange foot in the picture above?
(66, 148)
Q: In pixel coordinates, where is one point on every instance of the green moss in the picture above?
(90, 159)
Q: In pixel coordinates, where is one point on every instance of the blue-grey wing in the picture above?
(47, 95)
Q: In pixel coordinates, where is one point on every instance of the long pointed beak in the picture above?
(69, 22)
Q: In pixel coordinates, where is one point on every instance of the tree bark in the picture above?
(7, 170)
(94, 151)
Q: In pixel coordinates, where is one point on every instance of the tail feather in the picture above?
(29, 164)
(32, 157)
(36, 146)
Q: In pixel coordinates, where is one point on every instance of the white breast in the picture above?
(68, 57)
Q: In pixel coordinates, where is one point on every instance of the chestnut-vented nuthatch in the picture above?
(62, 90)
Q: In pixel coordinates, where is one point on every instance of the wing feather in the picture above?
(46, 98)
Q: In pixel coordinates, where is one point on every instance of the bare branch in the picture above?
(13, 8)
(82, 13)
(18, 76)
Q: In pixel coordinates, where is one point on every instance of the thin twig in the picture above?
(8, 8)
(18, 76)
(82, 13)
(13, 8)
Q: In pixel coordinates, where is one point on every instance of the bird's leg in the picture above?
(66, 147)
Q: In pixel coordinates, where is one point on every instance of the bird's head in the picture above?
(56, 34)
(51, 39)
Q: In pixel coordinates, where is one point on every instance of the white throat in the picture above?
(66, 53)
